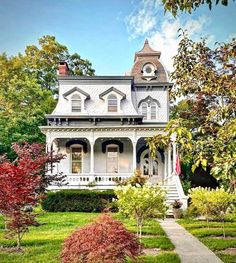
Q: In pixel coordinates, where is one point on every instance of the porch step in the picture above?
(171, 196)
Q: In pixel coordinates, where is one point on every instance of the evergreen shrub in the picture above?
(78, 201)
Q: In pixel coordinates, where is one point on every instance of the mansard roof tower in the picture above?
(147, 66)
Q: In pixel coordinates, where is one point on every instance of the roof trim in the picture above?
(69, 77)
(93, 116)
(123, 95)
(78, 90)
(149, 100)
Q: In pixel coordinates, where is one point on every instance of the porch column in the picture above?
(169, 162)
(134, 155)
(48, 145)
(174, 157)
(173, 139)
(165, 164)
(92, 157)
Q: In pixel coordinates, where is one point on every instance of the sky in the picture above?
(109, 32)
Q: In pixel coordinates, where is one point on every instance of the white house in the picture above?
(100, 123)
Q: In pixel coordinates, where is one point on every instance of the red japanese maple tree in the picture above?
(106, 240)
(22, 184)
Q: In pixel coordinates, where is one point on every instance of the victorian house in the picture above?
(100, 123)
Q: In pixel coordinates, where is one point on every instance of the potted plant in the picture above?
(176, 208)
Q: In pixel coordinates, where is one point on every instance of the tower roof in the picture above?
(147, 51)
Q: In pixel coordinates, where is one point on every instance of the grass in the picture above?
(212, 237)
(43, 243)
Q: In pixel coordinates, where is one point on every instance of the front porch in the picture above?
(108, 160)
(103, 156)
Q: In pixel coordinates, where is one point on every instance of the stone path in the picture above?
(188, 247)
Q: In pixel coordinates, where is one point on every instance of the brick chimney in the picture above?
(63, 69)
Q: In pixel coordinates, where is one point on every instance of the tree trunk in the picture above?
(18, 240)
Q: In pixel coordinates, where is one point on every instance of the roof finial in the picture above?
(146, 41)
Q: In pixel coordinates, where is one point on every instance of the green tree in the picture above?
(205, 121)
(43, 60)
(141, 203)
(189, 6)
(27, 88)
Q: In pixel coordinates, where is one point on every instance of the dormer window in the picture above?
(76, 103)
(112, 98)
(149, 71)
(149, 108)
(112, 103)
(144, 109)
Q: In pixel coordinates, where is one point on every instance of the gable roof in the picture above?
(123, 95)
(78, 90)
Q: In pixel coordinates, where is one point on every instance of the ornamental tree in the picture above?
(22, 183)
(141, 202)
(212, 203)
(105, 240)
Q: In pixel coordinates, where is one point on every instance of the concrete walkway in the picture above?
(188, 247)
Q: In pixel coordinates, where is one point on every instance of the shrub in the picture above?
(213, 203)
(141, 202)
(106, 240)
(78, 201)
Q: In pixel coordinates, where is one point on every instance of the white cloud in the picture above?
(148, 21)
(143, 19)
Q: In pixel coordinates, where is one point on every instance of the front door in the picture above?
(149, 166)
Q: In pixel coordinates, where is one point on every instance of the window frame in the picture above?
(156, 116)
(71, 158)
(117, 158)
(112, 99)
(76, 100)
(144, 104)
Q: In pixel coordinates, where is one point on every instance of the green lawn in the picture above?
(43, 243)
(212, 236)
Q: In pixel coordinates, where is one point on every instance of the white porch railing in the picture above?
(98, 180)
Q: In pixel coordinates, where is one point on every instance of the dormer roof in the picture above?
(123, 95)
(78, 90)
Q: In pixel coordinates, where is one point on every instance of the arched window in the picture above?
(144, 109)
(112, 103)
(76, 103)
(153, 108)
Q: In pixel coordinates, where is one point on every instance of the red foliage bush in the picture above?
(104, 241)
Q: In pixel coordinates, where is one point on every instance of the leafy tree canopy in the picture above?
(189, 6)
(27, 88)
(205, 119)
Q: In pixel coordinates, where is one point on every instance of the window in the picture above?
(153, 111)
(112, 103)
(76, 158)
(149, 109)
(76, 103)
(144, 109)
(112, 159)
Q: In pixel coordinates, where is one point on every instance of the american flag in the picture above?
(177, 166)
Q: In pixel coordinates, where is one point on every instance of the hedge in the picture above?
(78, 201)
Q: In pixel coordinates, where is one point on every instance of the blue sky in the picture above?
(108, 32)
